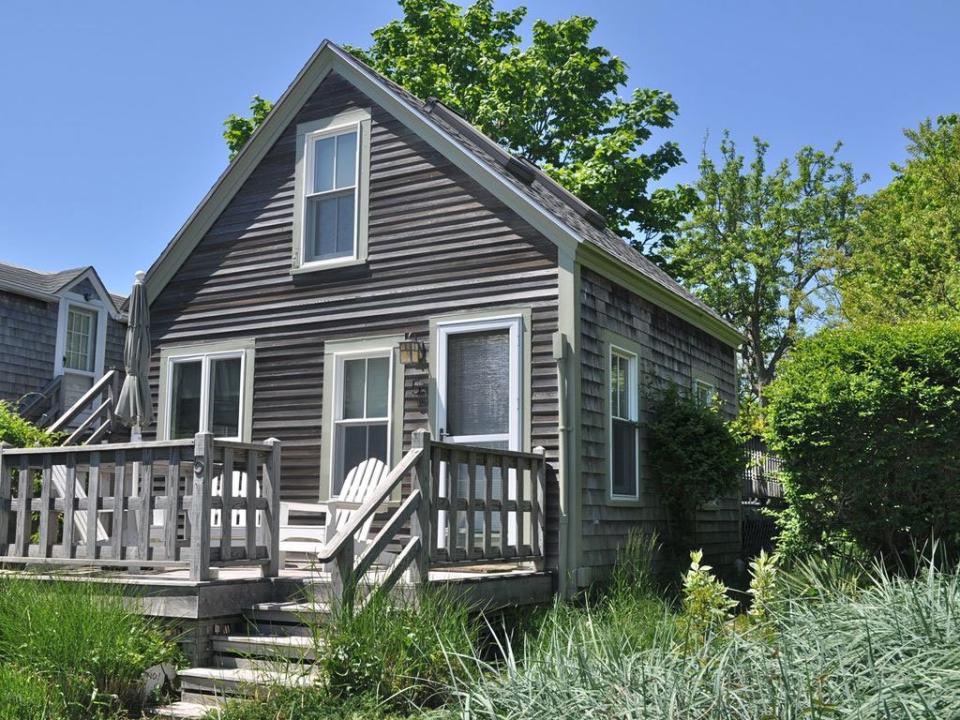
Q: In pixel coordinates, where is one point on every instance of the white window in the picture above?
(361, 422)
(330, 194)
(624, 425)
(81, 339)
(205, 394)
(704, 393)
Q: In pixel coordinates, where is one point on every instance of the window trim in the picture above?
(633, 395)
(698, 380)
(335, 351)
(359, 119)
(171, 356)
(95, 307)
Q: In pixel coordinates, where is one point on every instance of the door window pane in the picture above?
(225, 397)
(185, 399)
(478, 383)
(80, 340)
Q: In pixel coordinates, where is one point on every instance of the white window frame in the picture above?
(97, 308)
(633, 398)
(205, 359)
(358, 120)
(337, 417)
(699, 383)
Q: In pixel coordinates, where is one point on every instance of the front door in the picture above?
(479, 397)
(79, 354)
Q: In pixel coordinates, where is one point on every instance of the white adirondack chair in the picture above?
(310, 539)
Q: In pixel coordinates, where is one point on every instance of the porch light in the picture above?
(412, 352)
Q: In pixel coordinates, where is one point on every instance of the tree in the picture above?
(762, 248)
(905, 253)
(555, 101)
(238, 129)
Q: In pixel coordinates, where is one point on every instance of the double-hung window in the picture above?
(361, 423)
(704, 393)
(624, 425)
(330, 202)
(81, 339)
(205, 394)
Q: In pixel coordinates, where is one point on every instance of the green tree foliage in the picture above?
(16, 431)
(867, 422)
(762, 246)
(905, 253)
(237, 129)
(693, 458)
(555, 101)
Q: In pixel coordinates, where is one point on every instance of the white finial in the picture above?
(139, 276)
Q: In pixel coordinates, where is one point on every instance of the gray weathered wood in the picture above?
(94, 501)
(203, 460)
(119, 504)
(250, 487)
(421, 522)
(145, 513)
(271, 516)
(21, 539)
(46, 524)
(171, 511)
(226, 511)
(5, 487)
(69, 504)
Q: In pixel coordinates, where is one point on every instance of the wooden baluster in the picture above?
(93, 505)
(46, 487)
(70, 505)
(21, 540)
(271, 516)
(226, 511)
(171, 514)
(436, 474)
(200, 501)
(146, 505)
(453, 486)
(471, 497)
(537, 499)
(487, 505)
(420, 523)
(119, 493)
(341, 576)
(4, 500)
(504, 513)
(251, 511)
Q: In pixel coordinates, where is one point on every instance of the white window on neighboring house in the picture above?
(330, 194)
(205, 394)
(361, 422)
(80, 342)
(704, 393)
(624, 412)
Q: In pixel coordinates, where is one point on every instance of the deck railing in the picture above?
(762, 475)
(118, 492)
(465, 504)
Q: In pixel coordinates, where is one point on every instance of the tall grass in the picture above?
(85, 640)
(866, 645)
(24, 696)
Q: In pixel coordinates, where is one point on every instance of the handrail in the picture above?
(106, 447)
(79, 405)
(43, 397)
(333, 548)
(457, 447)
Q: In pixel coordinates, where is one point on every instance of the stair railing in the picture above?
(100, 421)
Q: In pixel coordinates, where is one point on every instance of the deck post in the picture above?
(4, 499)
(420, 525)
(537, 505)
(200, 507)
(271, 519)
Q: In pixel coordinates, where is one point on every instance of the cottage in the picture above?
(59, 333)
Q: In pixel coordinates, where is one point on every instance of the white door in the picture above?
(479, 401)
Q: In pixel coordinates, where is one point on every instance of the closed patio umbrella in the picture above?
(134, 407)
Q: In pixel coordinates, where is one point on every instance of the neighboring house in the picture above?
(359, 218)
(59, 333)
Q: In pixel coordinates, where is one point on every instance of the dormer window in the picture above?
(330, 213)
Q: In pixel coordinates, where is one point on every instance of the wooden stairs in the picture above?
(278, 650)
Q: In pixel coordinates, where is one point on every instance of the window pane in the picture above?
(185, 400)
(356, 443)
(343, 244)
(620, 383)
(624, 451)
(346, 160)
(353, 388)
(225, 397)
(323, 157)
(378, 385)
(478, 383)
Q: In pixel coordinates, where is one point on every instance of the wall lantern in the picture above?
(412, 352)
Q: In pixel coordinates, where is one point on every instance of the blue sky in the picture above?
(112, 115)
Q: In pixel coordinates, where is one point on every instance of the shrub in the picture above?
(693, 456)
(763, 583)
(24, 696)
(706, 604)
(82, 639)
(395, 650)
(18, 432)
(867, 422)
(309, 704)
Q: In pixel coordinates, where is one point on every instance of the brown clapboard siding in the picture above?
(672, 350)
(438, 244)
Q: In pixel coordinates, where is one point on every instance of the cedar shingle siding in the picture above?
(28, 337)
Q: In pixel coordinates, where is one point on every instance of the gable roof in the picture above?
(523, 187)
(49, 286)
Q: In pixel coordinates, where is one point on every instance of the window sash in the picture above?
(208, 394)
(623, 390)
(79, 341)
(308, 230)
(704, 392)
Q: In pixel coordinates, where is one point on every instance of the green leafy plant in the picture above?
(84, 639)
(867, 423)
(25, 696)
(706, 603)
(693, 458)
(763, 583)
(16, 431)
